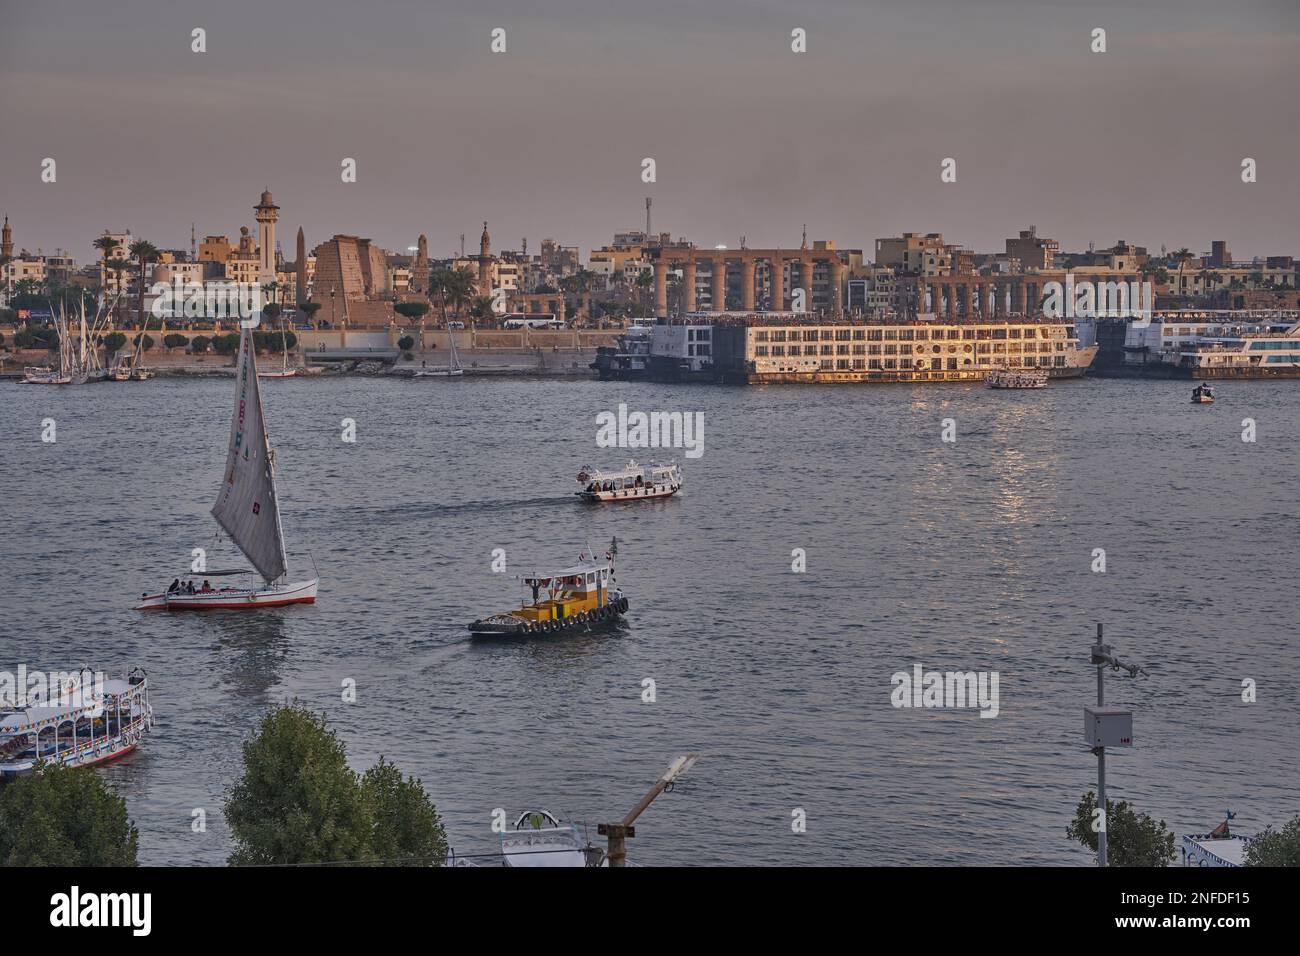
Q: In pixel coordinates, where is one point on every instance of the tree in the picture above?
(144, 345)
(200, 344)
(406, 343)
(1132, 839)
(60, 816)
(407, 830)
(309, 309)
(412, 310)
(143, 252)
(174, 340)
(118, 267)
(297, 801)
(271, 311)
(113, 341)
(227, 344)
(1275, 847)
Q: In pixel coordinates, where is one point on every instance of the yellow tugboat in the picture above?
(580, 596)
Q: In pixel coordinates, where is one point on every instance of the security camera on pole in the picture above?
(1106, 727)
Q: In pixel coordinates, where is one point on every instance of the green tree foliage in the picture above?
(200, 344)
(174, 340)
(227, 344)
(64, 817)
(407, 830)
(114, 341)
(1132, 838)
(299, 802)
(1275, 847)
(406, 343)
(412, 310)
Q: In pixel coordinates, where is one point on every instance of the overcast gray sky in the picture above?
(1142, 143)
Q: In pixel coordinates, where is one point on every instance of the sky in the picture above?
(1143, 142)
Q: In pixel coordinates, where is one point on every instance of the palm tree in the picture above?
(1182, 256)
(118, 267)
(460, 287)
(143, 252)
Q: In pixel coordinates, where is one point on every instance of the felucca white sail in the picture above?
(246, 508)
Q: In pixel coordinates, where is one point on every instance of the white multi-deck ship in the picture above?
(772, 352)
(1209, 346)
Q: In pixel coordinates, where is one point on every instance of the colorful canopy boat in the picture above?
(1017, 378)
(633, 482)
(87, 723)
(247, 510)
(581, 596)
(1219, 847)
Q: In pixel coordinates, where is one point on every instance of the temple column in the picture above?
(747, 284)
(1021, 292)
(661, 287)
(778, 284)
(719, 284)
(688, 284)
(950, 293)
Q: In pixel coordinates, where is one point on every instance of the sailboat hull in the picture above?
(232, 599)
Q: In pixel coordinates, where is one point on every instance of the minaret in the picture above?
(267, 214)
(420, 268)
(484, 262)
(7, 241)
(301, 289)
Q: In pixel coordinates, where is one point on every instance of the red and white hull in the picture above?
(630, 494)
(232, 599)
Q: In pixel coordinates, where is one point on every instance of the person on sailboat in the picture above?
(175, 586)
(206, 589)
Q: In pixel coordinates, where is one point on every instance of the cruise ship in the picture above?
(1210, 346)
(788, 352)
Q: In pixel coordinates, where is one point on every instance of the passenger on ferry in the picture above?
(175, 586)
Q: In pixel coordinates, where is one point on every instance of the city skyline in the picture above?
(1142, 143)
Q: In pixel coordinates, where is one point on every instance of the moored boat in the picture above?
(581, 596)
(248, 510)
(89, 722)
(632, 482)
(541, 839)
(1220, 847)
(45, 375)
(1017, 378)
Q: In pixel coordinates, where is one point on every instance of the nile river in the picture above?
(973, 555)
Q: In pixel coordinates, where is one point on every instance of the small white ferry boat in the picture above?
(1017, 378)
(1203, 395)
(540, 839)
(632, 482)
(88, 722)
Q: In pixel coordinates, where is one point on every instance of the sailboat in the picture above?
(247, 510)
(285, 371)
(453, 368)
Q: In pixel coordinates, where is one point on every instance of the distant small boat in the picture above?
(453, 369)
(1017, 378)
(284, 371)
(45, 375)
(248, 510)
(632, 482)
(1203, 395)
(85, 723)
(540, 839)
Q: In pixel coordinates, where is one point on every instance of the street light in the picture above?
(1106, 727)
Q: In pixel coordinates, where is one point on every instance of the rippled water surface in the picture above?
(973, 555)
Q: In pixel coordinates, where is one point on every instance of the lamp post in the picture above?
(1106, 726)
